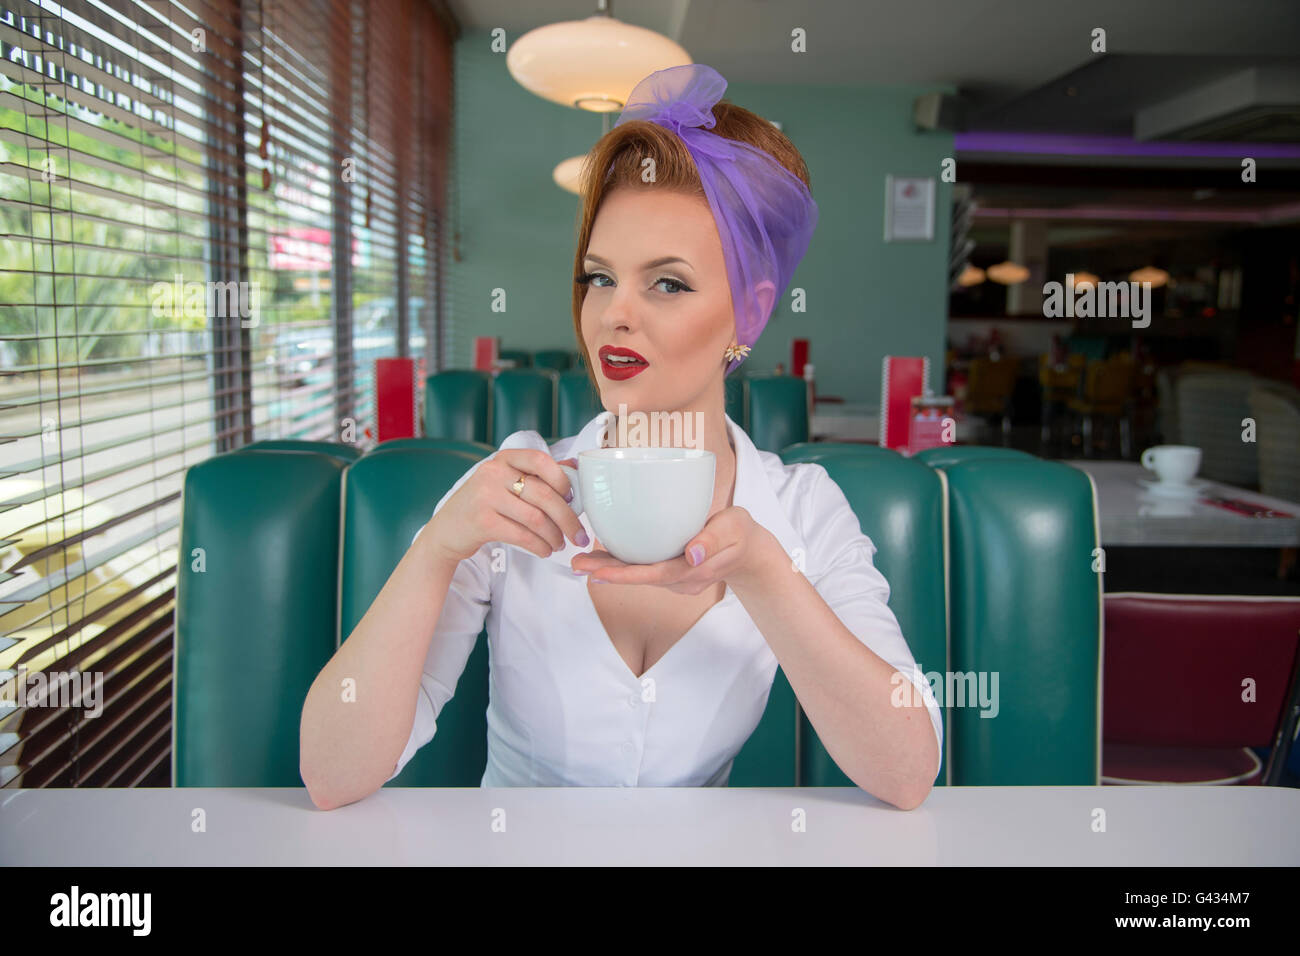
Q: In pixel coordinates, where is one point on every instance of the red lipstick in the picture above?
(619, 363)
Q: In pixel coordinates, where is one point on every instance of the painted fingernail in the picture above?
(579, 571)
(597, 581)
(697, 554)
(582, 539)
(568, 498)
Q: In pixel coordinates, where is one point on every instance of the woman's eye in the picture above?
(587, 279)
(680, 286)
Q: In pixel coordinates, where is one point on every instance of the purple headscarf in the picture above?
(764, 213)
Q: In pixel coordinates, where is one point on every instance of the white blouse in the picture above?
(565, 709)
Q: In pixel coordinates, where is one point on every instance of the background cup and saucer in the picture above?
(1175, 467)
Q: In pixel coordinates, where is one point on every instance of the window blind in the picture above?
(214, 215)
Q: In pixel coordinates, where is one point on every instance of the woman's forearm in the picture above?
(360, 709)
(846, 690)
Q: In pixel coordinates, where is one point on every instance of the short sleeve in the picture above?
(840, 566)
(463, 612)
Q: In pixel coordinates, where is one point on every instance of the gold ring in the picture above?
(518, 486)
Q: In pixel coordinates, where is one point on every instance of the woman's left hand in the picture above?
(729, 547)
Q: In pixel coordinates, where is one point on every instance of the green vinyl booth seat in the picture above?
(347, 453)
(989, 561)
(523, 399)
(558, 360)
(1027, 606)
(387, 498)
(946, 455)
(820, 450)
(477, 448)
(457, 404)
(521, 358)
(900, 507)
(256, 604)
(733, 387)
(776, 411)
(577, 402)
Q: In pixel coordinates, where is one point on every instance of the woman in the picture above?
(606, 674)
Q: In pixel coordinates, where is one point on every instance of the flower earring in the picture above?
(734, 352)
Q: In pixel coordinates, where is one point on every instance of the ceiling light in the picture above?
(590, 64)
(1008, 273)
(568, 174)
(1157, 277)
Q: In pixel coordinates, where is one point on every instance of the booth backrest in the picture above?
(777, 412)
(256, 599)
(946, 455)
(347, 453)
(991, 564)
(457, 404)
(1025, 593)
(523, 399)
(900, 507)
(386, 499)
(476, 448)
(577, 402)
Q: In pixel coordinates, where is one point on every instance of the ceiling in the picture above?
(1020, 66)
(1012, 60)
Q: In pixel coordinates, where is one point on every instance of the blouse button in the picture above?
(633, 700)
(625, 747)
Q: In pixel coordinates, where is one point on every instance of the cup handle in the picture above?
(1147, 459)
(576, 503)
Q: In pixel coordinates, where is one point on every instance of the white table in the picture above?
(833, 421)
(1132, 516)
(1155, 826)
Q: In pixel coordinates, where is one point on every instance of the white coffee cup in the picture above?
(1173, 464)
(645, 504)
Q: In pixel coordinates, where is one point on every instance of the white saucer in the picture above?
(1164, 489)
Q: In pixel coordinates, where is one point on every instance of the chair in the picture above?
(347, 453)
(1106, 392)
(577, 402)
(1178, 708)
(1211, 406)
(386, 499)
(256, 603)
(777, 411)
(1026, 611)
(1276, 411)
(988, 390)
(457, 404)
(523, 399)
(1058, 386)
(557, 360)
(476, 448)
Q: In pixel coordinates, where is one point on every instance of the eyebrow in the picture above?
(653, 264)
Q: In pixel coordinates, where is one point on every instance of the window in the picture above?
(214, 216)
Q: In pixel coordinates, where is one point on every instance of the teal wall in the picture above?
(866, 298)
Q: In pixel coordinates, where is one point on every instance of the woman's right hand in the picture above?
(484, 508)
